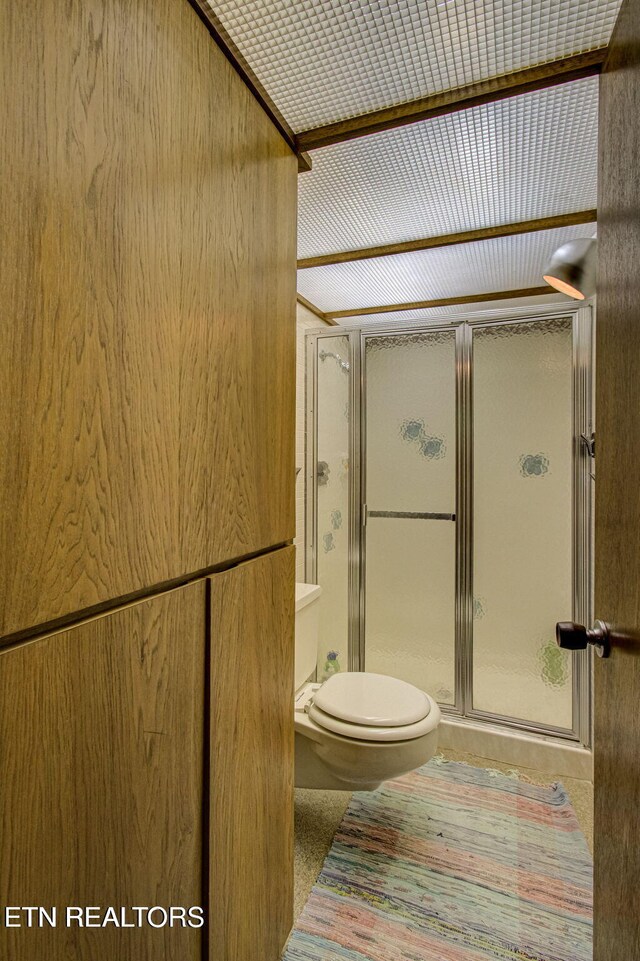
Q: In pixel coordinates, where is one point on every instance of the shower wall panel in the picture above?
(332, 536)
(522, 519)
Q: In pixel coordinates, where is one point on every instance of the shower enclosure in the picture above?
(448, 510)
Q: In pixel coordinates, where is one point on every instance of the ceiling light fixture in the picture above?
(572, 268)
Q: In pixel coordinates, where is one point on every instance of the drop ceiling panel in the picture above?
(434, 315)
(326, 60)
(524, 158)
(505, 263)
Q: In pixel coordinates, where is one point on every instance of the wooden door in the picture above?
(147, 317)
(617, 680)
(251, 821)
(101, 800)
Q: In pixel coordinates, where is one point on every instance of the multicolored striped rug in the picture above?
(452, 863)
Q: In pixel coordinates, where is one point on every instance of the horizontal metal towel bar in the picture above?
(414, 515)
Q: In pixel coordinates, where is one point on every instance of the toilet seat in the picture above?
(371, 707)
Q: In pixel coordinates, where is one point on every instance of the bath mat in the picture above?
(452, 863)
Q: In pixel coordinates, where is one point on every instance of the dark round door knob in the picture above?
(576, 637)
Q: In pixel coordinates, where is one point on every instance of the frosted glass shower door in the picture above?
(522, 520)
(410, 495)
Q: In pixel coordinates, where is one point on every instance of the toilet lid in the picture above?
(373, 700)
(369, 732)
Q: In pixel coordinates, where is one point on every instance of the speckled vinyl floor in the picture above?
(318, 814)
(317, 817)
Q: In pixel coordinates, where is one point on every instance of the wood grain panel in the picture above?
(221, 36)
(101, 733)
(251, 879)
(147, 342)
(617, 680)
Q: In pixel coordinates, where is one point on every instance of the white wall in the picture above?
(306, 320)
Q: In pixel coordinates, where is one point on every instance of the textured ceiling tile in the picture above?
(523, 158)
(325, 60)
(505, 263)
(435, 315)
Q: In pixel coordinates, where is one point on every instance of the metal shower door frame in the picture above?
(361, 548)
(582, 424)
(464, 325)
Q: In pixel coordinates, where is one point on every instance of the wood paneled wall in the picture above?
(101, 735)
(617, 553)
(251, 836)
(147, 335)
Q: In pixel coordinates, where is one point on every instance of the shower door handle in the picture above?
(576, 637)
(413, 515)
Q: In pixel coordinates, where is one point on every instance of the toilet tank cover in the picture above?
(373, 699)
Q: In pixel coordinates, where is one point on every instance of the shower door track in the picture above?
(464, 325)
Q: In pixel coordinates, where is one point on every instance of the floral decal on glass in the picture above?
(534, 465)
(323, 471)
(336, 520)
(328, 543)
(412, 430)
(331, 664)
(554, 664)
(430, 446)
(479, 608)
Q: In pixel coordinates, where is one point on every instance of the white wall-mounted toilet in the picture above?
(356, 729)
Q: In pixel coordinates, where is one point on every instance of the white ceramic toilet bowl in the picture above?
(357, 730)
